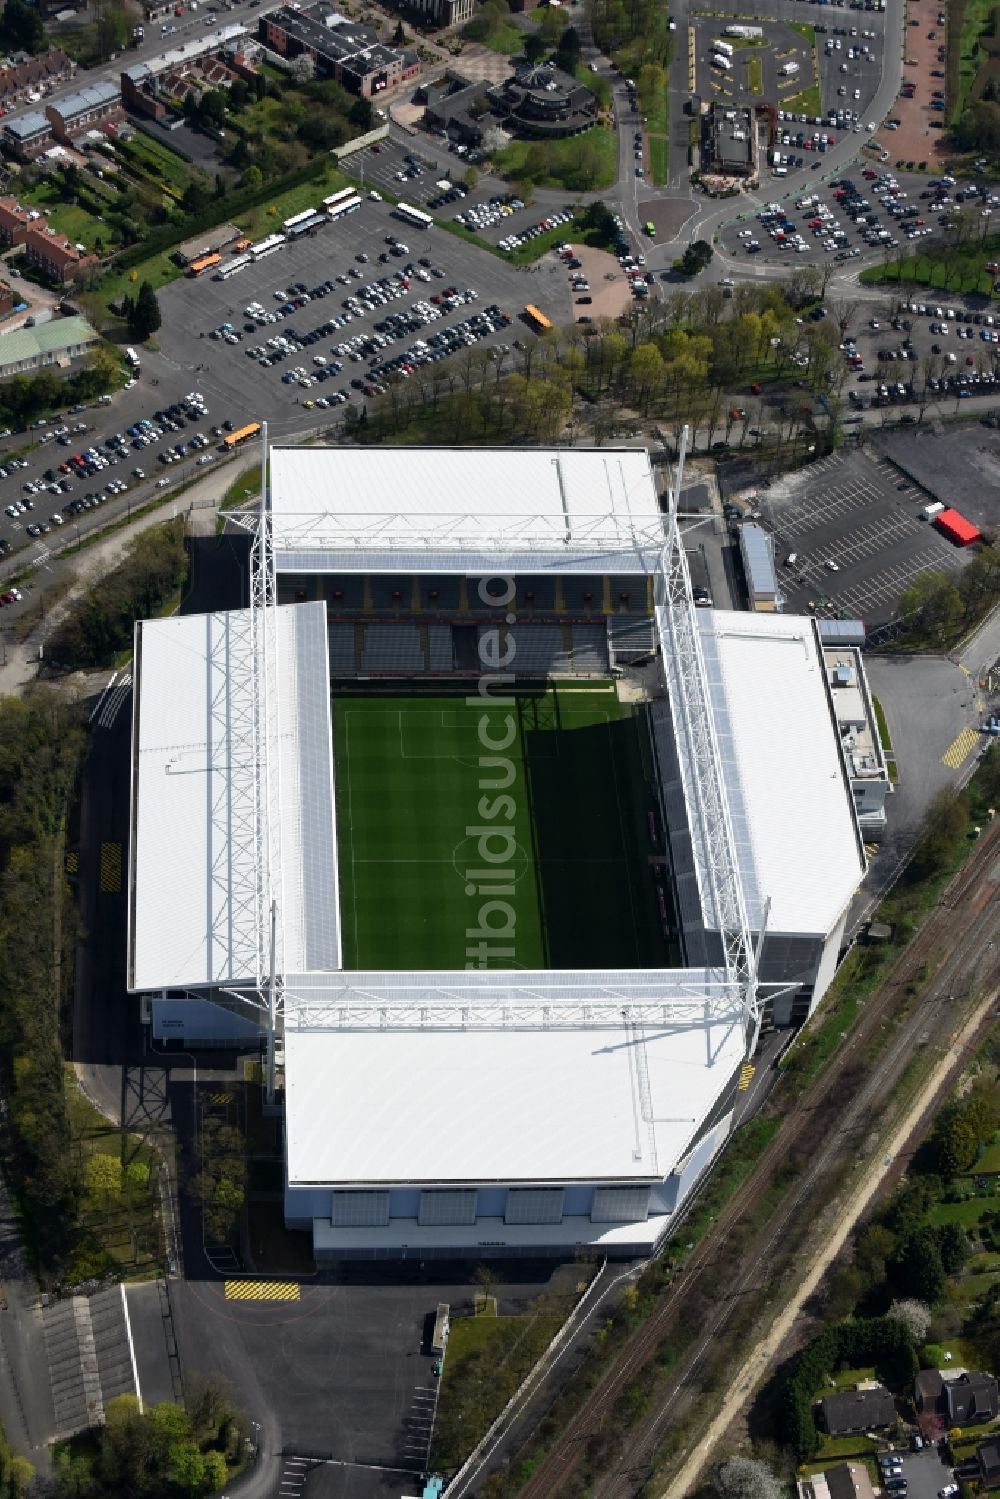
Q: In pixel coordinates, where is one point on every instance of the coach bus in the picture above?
(347, 200)
(290, 225)
(538, 320)
(267, 246)
(240, 436)
(415, 216)
(204, 263)
(232, 267)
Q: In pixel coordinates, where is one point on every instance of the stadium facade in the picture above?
(482, 1110)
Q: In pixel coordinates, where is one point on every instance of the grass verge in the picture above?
(755, 76)
(659, 160)
(487, 1359)
(883, 727)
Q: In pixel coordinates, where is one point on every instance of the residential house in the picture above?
(33, 75)
(852, 1412)
(54, 254)
(15, 222)
(963, 1397)
(988, 1457)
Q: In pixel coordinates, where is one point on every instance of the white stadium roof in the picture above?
(507, 1105)
(194, 894)
(466, 510)
(785, 776)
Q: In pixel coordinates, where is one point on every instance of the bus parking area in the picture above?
(337, 306)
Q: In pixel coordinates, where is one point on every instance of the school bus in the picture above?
(537, 319)
(240, 436)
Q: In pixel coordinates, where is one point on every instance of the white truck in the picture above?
(788, 69)
(720, 60)
(748, 33)
(724, 47)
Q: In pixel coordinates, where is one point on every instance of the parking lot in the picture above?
(925, 1472)
(853, 525)
(373, 292)
(785, 48)
(957, 465)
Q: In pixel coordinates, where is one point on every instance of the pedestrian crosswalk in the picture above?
(262, 1290)
(960, 748)
(111, 868)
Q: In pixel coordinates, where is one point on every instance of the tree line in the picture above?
(939, 607)
(157, 1453)
(100, 624)
(42, 738)
(26, 398)
(674, 361)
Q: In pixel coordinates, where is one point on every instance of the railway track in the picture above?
(956, 945)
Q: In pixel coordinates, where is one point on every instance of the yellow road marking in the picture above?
(111, 868)
(262, 1290)
(746, 1077)
(960, 748)
(73, 862)
(219, 1098)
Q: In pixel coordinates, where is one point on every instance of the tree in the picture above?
(915, 1317)
(252, 177)
(215, 1471)
(917, 1267)
(21, 28)
(399, 35)
(568, 52)
(103, 1176)
(362, 114)
(954, 1247)
(939, 842)
(747, 1478)
(695, 258)
(535, 47)
(954, 1142)
(302, 68)
(187, 1467)
(145, 318)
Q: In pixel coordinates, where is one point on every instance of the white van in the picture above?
(929, 511)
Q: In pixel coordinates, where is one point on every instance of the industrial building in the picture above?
(581, 1105)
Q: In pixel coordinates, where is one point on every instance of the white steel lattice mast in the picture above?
(711, 804)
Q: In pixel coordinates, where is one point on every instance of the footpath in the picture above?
(202, 500)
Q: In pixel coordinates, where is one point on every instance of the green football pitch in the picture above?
(564, 790)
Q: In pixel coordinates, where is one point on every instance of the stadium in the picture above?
(500, 849)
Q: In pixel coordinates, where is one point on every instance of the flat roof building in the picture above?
(98, 104)
(729, 142)
(757, 552)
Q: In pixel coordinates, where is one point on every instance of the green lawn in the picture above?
(571, 833)
(804, 29)
(973, 18)
(755, 76)
(883, 727)
(960, 270)
(806, 103)
(581, 163)
(505, 39)
(659, 159)
(967, 1213)
(989, 1160)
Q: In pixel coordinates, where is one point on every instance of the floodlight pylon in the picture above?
(711, 803)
